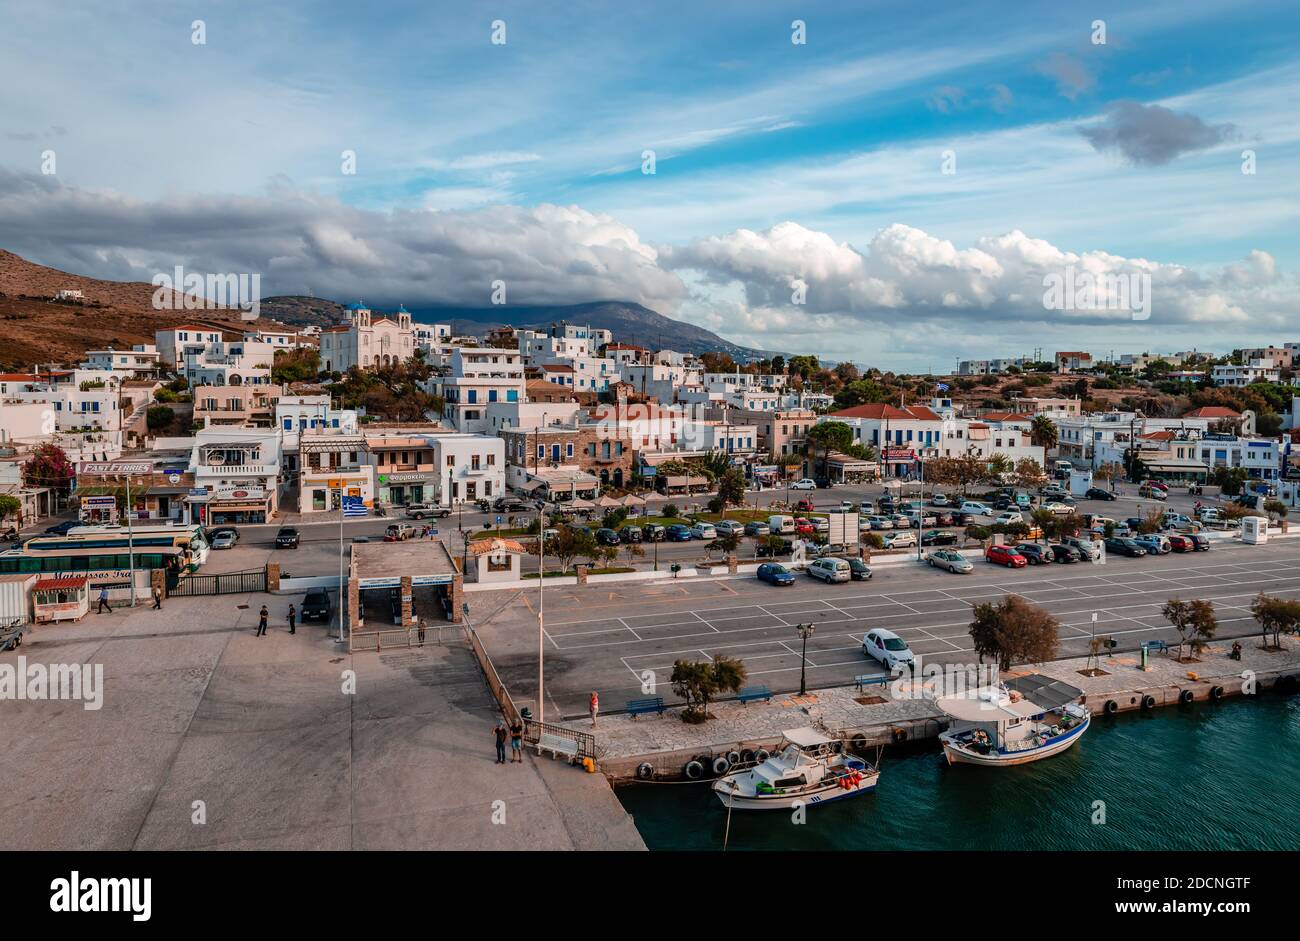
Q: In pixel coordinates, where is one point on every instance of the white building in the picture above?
(227, 363)
(367, 342)
(298, 414)
(174, 342)
(333, 464)
(1255, 370)
(479, 376)
(1087, 437)
(470, 467)
(141, 360)
(240, 469)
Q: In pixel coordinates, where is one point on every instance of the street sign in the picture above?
(498, 521)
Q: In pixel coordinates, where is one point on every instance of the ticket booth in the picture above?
(1254, 530)
(61, 599)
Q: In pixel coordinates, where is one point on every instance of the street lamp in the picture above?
(805, 631)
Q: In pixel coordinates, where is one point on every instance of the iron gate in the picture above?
(229, 583)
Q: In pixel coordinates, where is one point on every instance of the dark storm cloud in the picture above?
(1151, 135)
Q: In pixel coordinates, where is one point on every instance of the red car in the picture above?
(1005, 555)
(803, 527)
(1181, 543)
(804, 506)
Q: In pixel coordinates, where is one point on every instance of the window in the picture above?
(473, 462)
(451, 460)
(492, 460)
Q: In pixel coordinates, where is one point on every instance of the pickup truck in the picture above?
(418, 511)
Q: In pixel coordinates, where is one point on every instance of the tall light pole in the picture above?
(130, 538)
(541, 613)
(805, 631)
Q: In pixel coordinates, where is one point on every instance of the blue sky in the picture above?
(775, 163)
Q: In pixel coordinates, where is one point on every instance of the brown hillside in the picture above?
(35, 329)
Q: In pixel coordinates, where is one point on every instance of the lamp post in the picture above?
(805, 631)
(541, 609)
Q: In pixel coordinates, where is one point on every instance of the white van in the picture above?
(780, 525)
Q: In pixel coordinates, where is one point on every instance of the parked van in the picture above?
(830, 570)
(780, 525)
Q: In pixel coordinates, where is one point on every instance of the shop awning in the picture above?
(60, 584)
(220, 506)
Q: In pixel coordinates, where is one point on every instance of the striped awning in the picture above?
(61, 584)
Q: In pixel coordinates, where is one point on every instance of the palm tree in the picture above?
(1043, 433)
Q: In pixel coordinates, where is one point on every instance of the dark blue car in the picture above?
(775, 574)
(678, 533)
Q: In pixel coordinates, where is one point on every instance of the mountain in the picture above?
(36, 329)
(630, 323)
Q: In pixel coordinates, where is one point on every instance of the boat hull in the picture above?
(957, 755)
(739, 801)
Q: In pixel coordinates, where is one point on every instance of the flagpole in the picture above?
(341, 606)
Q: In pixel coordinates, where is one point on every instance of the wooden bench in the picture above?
(750, 694)
(637, 707)
(1160, 645)
(558, 746)
(871, 679)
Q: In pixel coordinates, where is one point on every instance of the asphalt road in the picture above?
(606, 638)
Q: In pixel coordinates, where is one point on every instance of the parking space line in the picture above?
(629, 629)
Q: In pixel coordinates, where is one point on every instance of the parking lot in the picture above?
(606, 638)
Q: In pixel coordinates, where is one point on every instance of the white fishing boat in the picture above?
(1023, 720)
(806, 768)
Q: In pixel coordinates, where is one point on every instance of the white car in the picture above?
(887, 647)
(901, 521)
(939, 499)
(804, 484)
(704, 531)
(830, 570)
(900, 540)
(880, 522)
(1060, 509)
(821, 524)
(1009, 517)
(975, 508)
(730, 526)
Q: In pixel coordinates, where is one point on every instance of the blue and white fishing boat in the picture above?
(1012, 723)
(806, 768)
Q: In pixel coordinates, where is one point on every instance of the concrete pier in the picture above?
(876, 717)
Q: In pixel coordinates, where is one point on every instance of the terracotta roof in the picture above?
(1213, 411)
(1158, 436)
(60, 584)
(1006, 416)
(881, 410)
(16, 377)
(341, 329)
(556, 367)
(485, 546)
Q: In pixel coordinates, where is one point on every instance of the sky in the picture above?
(899, 185)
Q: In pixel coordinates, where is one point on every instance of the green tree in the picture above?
(825, 437)
(158, 417)
(11, 508)
(727, 543)
(1043, 432)
(1014, 631)
(699, 681)
(569, 543)
(1193, 620)
(731, 486)
(1276, 616)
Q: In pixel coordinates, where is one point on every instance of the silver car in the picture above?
(951, 560)
(830, 570)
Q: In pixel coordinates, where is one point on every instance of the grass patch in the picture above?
(494, 533)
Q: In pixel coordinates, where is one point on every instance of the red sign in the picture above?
(900, 454)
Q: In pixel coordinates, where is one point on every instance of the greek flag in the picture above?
(352, 506)
(941, 386)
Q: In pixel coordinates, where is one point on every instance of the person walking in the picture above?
(261, 622)
(593, 706)
(419, 631)
(293, 619)
(157, 598)
(500, 732)
(516, 741)
(103, 601)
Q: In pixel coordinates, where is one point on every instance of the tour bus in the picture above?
(188, 538)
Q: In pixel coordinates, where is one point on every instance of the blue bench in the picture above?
(750, 694)
(637, 707)
(1155, 645)
(871, 679)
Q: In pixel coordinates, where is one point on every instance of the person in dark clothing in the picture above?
(516, 741)
(157, 598)
(420, 631)
(293, 619)
(501, 732)
(103, 601)
(261, 623)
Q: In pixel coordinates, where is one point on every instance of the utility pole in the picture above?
(805, 631)
(130, 538)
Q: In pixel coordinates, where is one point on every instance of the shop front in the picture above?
(400, 488)
(239, 505)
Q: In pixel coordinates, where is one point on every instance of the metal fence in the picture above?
(395, 637)
(533, 730)
(229, 583)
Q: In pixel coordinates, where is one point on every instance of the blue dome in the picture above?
(357, 306)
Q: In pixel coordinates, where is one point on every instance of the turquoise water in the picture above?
(1209, 776)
